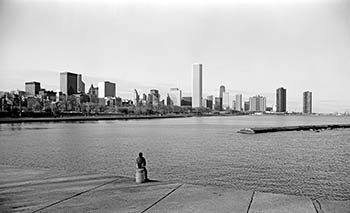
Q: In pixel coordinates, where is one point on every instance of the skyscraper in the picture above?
(239, 103)
(80, 84)
(32, 88)
(106, 89)
(281, 100)
(196, 85)
(222, 90)
(226, 100)
(257, 104)
(175, 96)
(68, 83)
(307, 102)
(210, 101)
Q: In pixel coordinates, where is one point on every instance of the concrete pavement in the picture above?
(40, 190)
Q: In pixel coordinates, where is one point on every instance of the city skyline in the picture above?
(252, 48)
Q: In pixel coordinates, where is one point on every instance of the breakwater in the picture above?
(292, 128)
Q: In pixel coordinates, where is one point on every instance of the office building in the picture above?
(186, 101)
(205, 102)
(154, 97)
(136, 98)
(257, 104)
(197, 85)
(307, 102)
(93, 94)
(106, 89)
(246, 106)
(217, 103)
(238, 105)
(68, 83)
(222, 90)
(281, 100)
(226, 100)
(234, 104)
(32, 88)
(210, 102)
(175, 96)
(80, 84)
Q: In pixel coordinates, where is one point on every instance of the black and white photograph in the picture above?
(146, 106)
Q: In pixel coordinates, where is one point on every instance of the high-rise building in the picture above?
(186, 101)
(226, 100)
(197, 85)
(234, 104)
(217, 103)
(210, 102)
(80, 84)
(93, 94)
(222, 90)
(238, 106)
(106, 89)
(281, 100)
(205, 102)
(32, 88)
(257, 104)
(68, 83)
(154, 97)
(246, 106)
(136, 98)
(175, 96)
(307, 102)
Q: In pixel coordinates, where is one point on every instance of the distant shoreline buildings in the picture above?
(72, 97)
(197, 82)
(307, 102)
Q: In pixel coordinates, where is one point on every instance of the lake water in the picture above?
(205, 150)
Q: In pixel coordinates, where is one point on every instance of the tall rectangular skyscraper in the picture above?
(106, 89)
(226, 101)
(68, 83)
(307, 102)
(80, 84)
(175, 96)
(281, 100)
(239, 103)
(196, 85)
(257, 104)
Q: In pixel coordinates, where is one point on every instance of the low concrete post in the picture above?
(140, 175)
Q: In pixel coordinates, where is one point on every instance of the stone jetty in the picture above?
(292, 128)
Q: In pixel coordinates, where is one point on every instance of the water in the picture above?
(194, 150)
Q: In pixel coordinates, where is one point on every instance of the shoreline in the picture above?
(86, 118)
(37, 190)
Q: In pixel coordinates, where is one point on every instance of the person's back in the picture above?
(141, 164)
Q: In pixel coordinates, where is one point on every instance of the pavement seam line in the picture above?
(173, 190)
(251, 201)
(75, 195)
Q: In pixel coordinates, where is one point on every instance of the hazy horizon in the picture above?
(252, 47)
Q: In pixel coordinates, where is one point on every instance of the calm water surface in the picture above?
(195, 150)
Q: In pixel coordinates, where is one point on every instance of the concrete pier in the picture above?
(292, 128)
(40, 190)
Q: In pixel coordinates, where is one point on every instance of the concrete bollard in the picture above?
(140, 175)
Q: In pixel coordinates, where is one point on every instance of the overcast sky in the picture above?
(250, 46)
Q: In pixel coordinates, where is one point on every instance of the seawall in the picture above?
(42, 190)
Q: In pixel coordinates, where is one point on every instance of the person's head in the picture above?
(140, 154)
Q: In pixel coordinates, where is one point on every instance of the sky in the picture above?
(250, 46)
